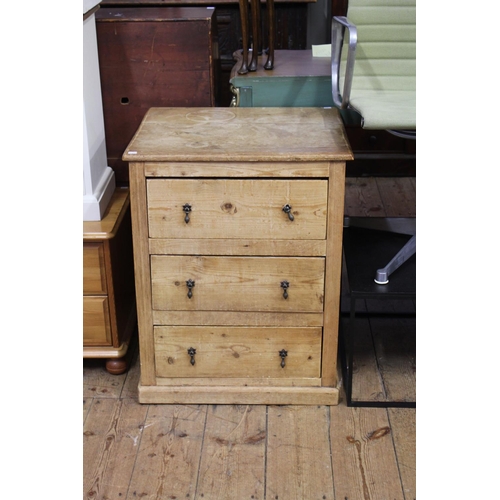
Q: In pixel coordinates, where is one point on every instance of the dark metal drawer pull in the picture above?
(288, 210)
(283, 355)
(192, 352)
(285, 285)
(190, 285)
(186, 208)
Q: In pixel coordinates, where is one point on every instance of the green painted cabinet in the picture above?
(297, 80)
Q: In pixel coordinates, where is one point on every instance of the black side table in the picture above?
(365, 251)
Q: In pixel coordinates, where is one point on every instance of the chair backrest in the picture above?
(385, 67)
(386, 51)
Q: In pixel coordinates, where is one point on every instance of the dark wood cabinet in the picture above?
(153, 57)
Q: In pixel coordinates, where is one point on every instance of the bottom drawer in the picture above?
(237, 351)
(96, 324)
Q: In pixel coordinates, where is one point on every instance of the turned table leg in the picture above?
(255, 5)
(271, 29)
(244, 34)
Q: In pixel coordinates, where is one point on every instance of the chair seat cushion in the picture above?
(386, 109)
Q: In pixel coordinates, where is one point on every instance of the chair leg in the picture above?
(382, 275)
(401, 225)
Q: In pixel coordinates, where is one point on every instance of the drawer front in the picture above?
(96, 322)
(237, 352)
(94, 276)
(282, 284)
(231, 208)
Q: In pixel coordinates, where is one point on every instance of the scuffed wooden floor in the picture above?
(233, 452)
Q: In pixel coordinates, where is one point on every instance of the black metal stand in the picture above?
(365, 251)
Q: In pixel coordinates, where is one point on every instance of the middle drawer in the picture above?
(283, 284)
(237, 208)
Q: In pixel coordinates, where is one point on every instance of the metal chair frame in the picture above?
(339, 26)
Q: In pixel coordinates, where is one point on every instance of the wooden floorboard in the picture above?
(168, 455)
(298, 453)
(398, 196)
(403, 427)
(394, 341)
(233, 461)
(233, 452)
(362, 198)
(363, 453)
(367, 382)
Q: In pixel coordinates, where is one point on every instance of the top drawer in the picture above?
(234, 209)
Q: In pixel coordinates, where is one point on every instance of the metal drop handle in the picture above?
(285, 284)
(192, 352)
(288, 210)
(190, 284)
(187, 209)
(283, 355)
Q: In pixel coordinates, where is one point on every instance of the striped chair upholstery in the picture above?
(383, 88)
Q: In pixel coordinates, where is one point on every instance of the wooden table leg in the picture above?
(271, 29)
(255, 34)
(244, 34)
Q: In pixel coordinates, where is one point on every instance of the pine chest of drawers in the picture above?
(237, 218)
(109, 312)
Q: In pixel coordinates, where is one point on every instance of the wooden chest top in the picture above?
(160, 14)
(239, 134)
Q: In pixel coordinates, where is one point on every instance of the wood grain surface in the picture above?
(223, 452)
